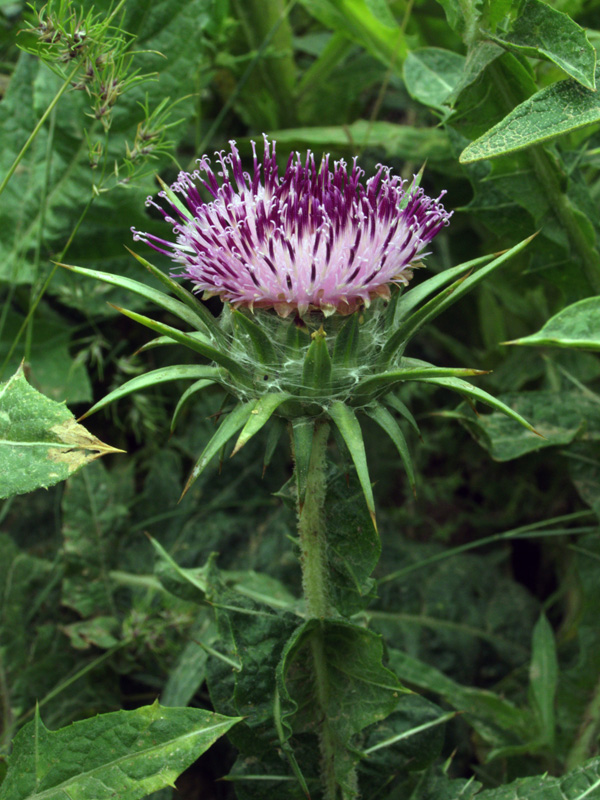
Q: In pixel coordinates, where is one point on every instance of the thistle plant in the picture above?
(313, 267)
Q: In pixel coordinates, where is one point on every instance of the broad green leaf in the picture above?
(316, 370)
(156, 376)
(385, 420)
(582, 783)
(577, 326)
(40, 441)
(400, 141)
(120, 754)
(541, 31)
(432, 74)
(235, 420)
(543, 677)
(388, 380)
(350, 686)
(176, 307)
(559, 417)
(349, 427)
(561, 108)
(186, 339)
(260, 415)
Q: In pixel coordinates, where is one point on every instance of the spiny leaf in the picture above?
(443, 301)
(155, 296)
(162, 341)
(276, 428)
(316, 371)
(40, 441)
(346, 342)
(235, 420)
(187, 298)
(386, 380)
(399, 406)
(155, 376)
(386, 421)
(186, 339)
(195, 387)
(263, 348)
(349, 426)
(260, 415)
(120, 754)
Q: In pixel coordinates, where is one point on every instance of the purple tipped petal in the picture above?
(313, 238)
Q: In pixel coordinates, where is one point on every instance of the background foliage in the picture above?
(486, 592)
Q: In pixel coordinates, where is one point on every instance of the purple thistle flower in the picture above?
(312, 239)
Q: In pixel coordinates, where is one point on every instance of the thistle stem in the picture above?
(312, 534)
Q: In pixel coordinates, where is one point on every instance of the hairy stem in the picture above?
(315, 582)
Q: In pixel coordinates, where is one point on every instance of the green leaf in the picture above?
(156, 376)
(398, 405)
(276, 428)
(579, 784)
(171, 304)
(235, 420)
(561, 108)
(442, 301)
(386, 421)
(474, 393)
(40, 442)
(543, 677)
(316, 370)
(198, 308)
(350, 686)
(191, 390)
(195, 344)
(559, 417)
(349, 427)
(577, 326)
(378, 33)
(120, 754)
(386, 380)
(189, 584)
(432, 74)
(541, 31)
(259, 416)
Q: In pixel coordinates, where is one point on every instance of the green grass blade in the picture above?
(260, 415)
(155, 376)
(385, 420)
(349, 427)
(232, 423)
(160, 341)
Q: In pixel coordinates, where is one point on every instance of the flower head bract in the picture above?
(316, 238)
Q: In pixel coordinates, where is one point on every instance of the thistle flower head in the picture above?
(317, 238)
